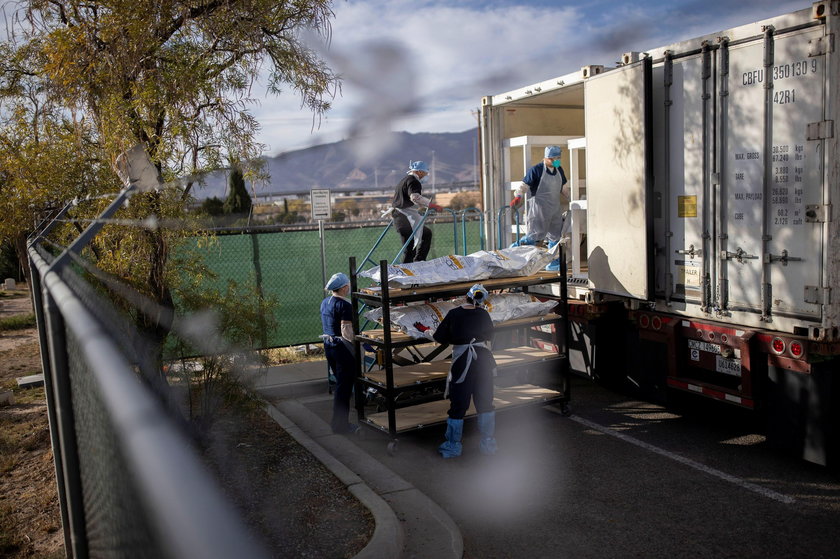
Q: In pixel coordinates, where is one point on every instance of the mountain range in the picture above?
(453, 158)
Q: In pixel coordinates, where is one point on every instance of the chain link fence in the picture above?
(286, 264)
(130, 479)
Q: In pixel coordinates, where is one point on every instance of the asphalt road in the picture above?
(622, 478)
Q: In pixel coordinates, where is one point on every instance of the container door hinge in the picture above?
(821, 45)
(820, 130)
(817, 295)
(817, 213)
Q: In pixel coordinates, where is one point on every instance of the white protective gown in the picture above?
(546, 209)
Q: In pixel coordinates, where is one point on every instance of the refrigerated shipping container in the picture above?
(703, 177)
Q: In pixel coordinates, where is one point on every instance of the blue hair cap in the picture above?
(477, 293)
(418, 166)
(337, 281)
(553, 151)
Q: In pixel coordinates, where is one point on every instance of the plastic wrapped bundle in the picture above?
(516, 261)
(504, 263)
(421, 321)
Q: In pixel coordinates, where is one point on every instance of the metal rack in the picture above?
(409, 389)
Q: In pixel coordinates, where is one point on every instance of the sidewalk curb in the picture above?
(387, 539)
(422, 527)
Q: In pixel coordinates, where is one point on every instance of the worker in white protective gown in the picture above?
(546, 210)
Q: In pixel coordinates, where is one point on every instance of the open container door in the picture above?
(617, 106)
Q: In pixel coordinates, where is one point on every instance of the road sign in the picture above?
(320, 200)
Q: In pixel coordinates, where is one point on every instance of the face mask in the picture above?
(423, 178)
(556, 163)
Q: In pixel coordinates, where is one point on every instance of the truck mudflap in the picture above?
(803, 411)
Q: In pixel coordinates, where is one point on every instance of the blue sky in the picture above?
(424, 65)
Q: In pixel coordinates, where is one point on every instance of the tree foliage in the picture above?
(177, 75)
(83, 81)
(213, 206)
(47, 159)
(464, 200)
(238, 200)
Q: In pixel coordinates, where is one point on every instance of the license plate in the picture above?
(727, 366)
(704, 346)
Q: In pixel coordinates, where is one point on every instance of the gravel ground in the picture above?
(298, 506)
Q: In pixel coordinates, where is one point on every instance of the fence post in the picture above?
(323, 252)
(49, 393)
(60, 369)
(258, 279)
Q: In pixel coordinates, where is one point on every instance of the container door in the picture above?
(770, 177)
(682, 119)
(618, 182)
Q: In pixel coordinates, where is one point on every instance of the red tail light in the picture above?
(778, 346)
(796, 349)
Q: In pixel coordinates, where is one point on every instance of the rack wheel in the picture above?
(565, 409)
(392, 447)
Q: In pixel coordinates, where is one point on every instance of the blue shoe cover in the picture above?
(487, 427)
(488, 446)
(554, 265)
(452, 447)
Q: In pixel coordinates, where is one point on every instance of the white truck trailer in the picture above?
(705, 250)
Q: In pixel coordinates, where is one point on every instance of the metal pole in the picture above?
(85, 237)
(766, 286)
(49, 393)
(66, 428)
(323, 252)
(358, 385)
(367, 259)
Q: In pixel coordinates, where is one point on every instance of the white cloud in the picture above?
(423, 66)
(446, 59)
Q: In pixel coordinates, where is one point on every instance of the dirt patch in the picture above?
(16, 301)
(283, 492)
(30, 520)
(297, 505)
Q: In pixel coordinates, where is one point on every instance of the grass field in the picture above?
(287, 265)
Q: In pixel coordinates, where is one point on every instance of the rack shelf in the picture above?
(418, 373)
(412, 393)
(434, 413)
(401, 339)
(375, 295)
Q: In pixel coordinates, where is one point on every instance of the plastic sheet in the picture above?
(421, 321)
(504, 263)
